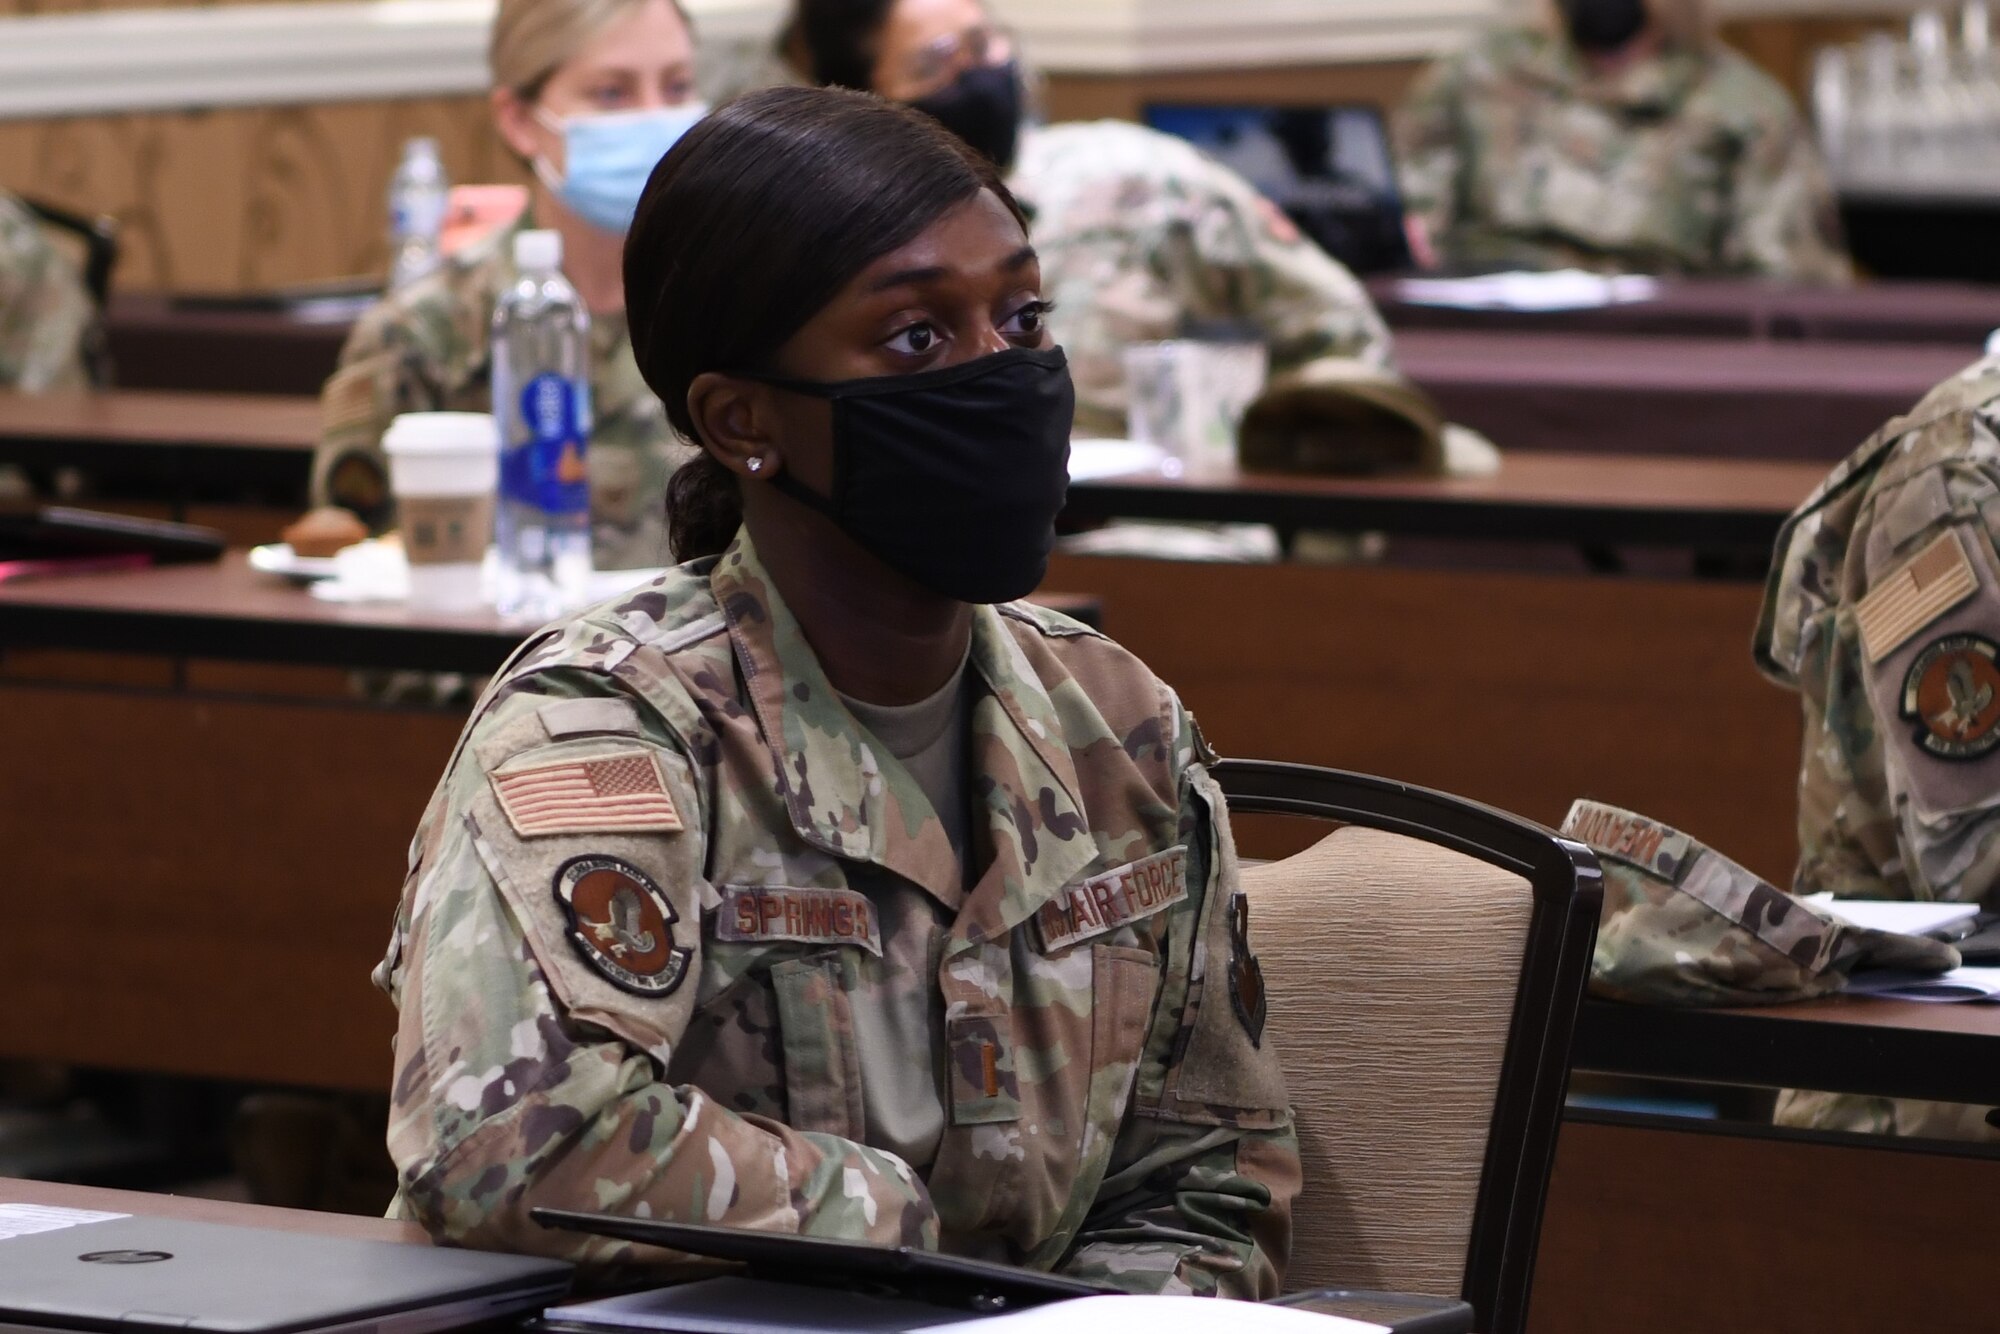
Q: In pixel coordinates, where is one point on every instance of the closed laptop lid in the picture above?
(95, 1271)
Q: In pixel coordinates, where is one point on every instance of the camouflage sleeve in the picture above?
(389, 365)
(1429, 147)
(46, 316)
(1783, 220)
(1847, 829)
(545, 971)
(1303, 301)
(1199, 1195)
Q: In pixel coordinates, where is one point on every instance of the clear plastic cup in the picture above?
(1188, 396)
(444, 468)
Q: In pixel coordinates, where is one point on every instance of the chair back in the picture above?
(1426, 963)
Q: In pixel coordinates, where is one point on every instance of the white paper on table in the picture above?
(734, 1305)
(760, 1306)
(377, 571)
(1564, 289)
(25, 1220)
(1166, 1315)
(1960, 984)
(1091, 459)
(1911, 919)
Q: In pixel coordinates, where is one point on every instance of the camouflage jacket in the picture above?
(1690, 163)
(1883, 612)
(667, 875)
(428, 349)
(1140, 234)
(46, 316)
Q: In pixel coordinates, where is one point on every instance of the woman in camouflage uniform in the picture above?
(1616, 135)
(1141, 235)
(557, 64)
(816, 886)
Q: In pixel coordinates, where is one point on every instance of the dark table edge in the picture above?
(1771, 1051)
(1636, 524)
(340, 644)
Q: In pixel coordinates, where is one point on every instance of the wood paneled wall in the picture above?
(236, 199)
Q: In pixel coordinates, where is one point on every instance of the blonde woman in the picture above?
(1616, 135)
(591, 94)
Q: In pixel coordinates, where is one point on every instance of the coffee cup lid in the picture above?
(442, 433)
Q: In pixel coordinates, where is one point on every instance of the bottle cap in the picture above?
(421, 145)
(540, 251)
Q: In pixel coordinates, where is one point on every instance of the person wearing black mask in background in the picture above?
(1618, 136)
(1140, 234)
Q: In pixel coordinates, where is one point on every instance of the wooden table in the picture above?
(194, 1209)
(170, 446)
(1840, 1044)
(1961, 314)
(1671, 395)
(230, 612)
(158, 341)
(188, 441)
(1577, 498)
(1553, 391)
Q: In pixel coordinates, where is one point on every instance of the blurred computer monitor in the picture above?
(1330, 168)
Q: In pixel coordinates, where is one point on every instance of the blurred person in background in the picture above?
(1617, 136)
(1141, 236)
(45, 313)
(590, 93)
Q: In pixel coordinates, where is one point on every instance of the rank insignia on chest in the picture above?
(1952, 693)
(1246, 975)
(1119, 897)
(621, 924)
(752, 914)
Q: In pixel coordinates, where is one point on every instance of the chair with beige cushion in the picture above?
(1425, 964)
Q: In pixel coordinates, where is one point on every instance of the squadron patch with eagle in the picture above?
(622, 925)
(1952, 693)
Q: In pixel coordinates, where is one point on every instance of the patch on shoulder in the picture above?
(1952, 693)
(1119, 897)
(1246, 974)
(621, 792)
(621, 924)
(1919, 591)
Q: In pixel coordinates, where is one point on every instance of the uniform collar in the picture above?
(1658, 84)
(848, 797)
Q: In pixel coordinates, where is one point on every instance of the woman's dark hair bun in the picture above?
(757, 218)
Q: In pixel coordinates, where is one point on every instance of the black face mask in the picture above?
(1603, 25)
(952, 477)
(983, 107)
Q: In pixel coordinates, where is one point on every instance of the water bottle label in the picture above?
(421, 216)
(547, 470)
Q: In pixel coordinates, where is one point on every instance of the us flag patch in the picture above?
(623, 794)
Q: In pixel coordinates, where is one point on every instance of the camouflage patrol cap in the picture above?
(1340, 415)
(1685, 925)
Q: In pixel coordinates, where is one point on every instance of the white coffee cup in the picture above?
(444, 468)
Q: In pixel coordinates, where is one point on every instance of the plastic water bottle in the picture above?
(541, 401)
(417, 195)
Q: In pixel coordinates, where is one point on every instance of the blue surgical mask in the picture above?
(608, 158)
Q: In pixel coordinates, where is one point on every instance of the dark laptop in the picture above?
(1330, 168)
(72, 1270)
